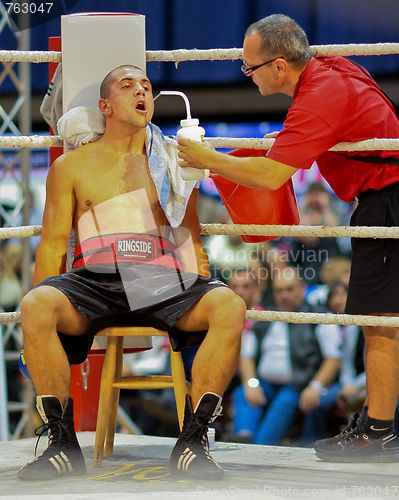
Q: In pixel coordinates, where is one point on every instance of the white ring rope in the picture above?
(243, 142)
(375, 232)
(33, 56)
(300, 231)
(286, 317)
(31, 141)
(180, 55)
(20, 232)
(323, 318)
(40, 141)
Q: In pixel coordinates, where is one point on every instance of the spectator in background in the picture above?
(284, 367)
(10, 286)
(309, 253)
(352, 375)
(349, 393)
(246, 283)
(153, 411)
(335, 270)
(227, 252)
(319, 201)
(11, 293)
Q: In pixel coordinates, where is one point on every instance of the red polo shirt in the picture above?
(334, 101)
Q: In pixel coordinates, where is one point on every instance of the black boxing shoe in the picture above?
(350, 426)
(358, 446)
(63, 457)
(190, 456)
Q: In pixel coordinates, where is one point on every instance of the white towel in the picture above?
(81, 125)
(173, 191)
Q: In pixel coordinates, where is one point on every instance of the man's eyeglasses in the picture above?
(248, 70)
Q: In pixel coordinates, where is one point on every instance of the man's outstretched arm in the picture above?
(253, 172)
(57, 221)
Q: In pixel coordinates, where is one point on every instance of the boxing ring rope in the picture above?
(286, 317)
(375, 232)
(12, 56)
(180, 55)
(39, 141)
(267, 230)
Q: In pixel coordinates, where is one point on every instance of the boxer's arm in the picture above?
(188, 239)
(57, 220)
(253, 172)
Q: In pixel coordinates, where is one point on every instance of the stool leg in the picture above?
(179, 383)
(113, 406)
(107, 379)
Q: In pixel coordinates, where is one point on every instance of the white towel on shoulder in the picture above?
(81, 125)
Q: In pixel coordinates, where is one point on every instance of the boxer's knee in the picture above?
(227, 309)
(38, 309)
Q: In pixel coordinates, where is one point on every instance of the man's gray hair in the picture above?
(282, 36)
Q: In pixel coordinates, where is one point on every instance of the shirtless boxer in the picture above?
(128, 255)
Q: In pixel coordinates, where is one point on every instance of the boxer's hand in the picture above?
(195, 154)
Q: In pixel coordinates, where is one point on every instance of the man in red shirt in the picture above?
(334, 100)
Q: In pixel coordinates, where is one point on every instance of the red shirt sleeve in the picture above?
(306, 136)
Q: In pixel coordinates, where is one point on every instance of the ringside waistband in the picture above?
(126, 247)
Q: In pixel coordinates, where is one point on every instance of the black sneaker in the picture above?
(190, 456)
(358, 446)
(350, 426)
(63, 455)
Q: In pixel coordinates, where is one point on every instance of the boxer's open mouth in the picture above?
(141, 106)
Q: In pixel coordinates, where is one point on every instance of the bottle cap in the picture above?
(189, 122)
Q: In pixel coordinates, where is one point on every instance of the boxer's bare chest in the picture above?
(121, 184)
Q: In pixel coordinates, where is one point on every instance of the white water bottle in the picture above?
(190, 129)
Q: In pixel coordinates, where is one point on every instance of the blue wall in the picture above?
(173, 24)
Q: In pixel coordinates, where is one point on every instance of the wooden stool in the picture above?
(112, 381)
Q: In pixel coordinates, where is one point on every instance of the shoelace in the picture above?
(355, 433)
(351, 425)
(39, 431)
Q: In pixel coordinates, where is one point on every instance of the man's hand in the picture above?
(255, 396)
(309, 399)
(195, 154)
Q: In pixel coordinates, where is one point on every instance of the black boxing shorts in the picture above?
(374, 280)
(129, 280)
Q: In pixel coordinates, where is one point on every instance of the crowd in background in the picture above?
(273, 397)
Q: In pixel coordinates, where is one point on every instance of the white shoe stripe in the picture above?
(188, 459)
(185, 459)
(182, 457)
(188, 462)
(66, 459)
(56, 465)
(61, 462)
